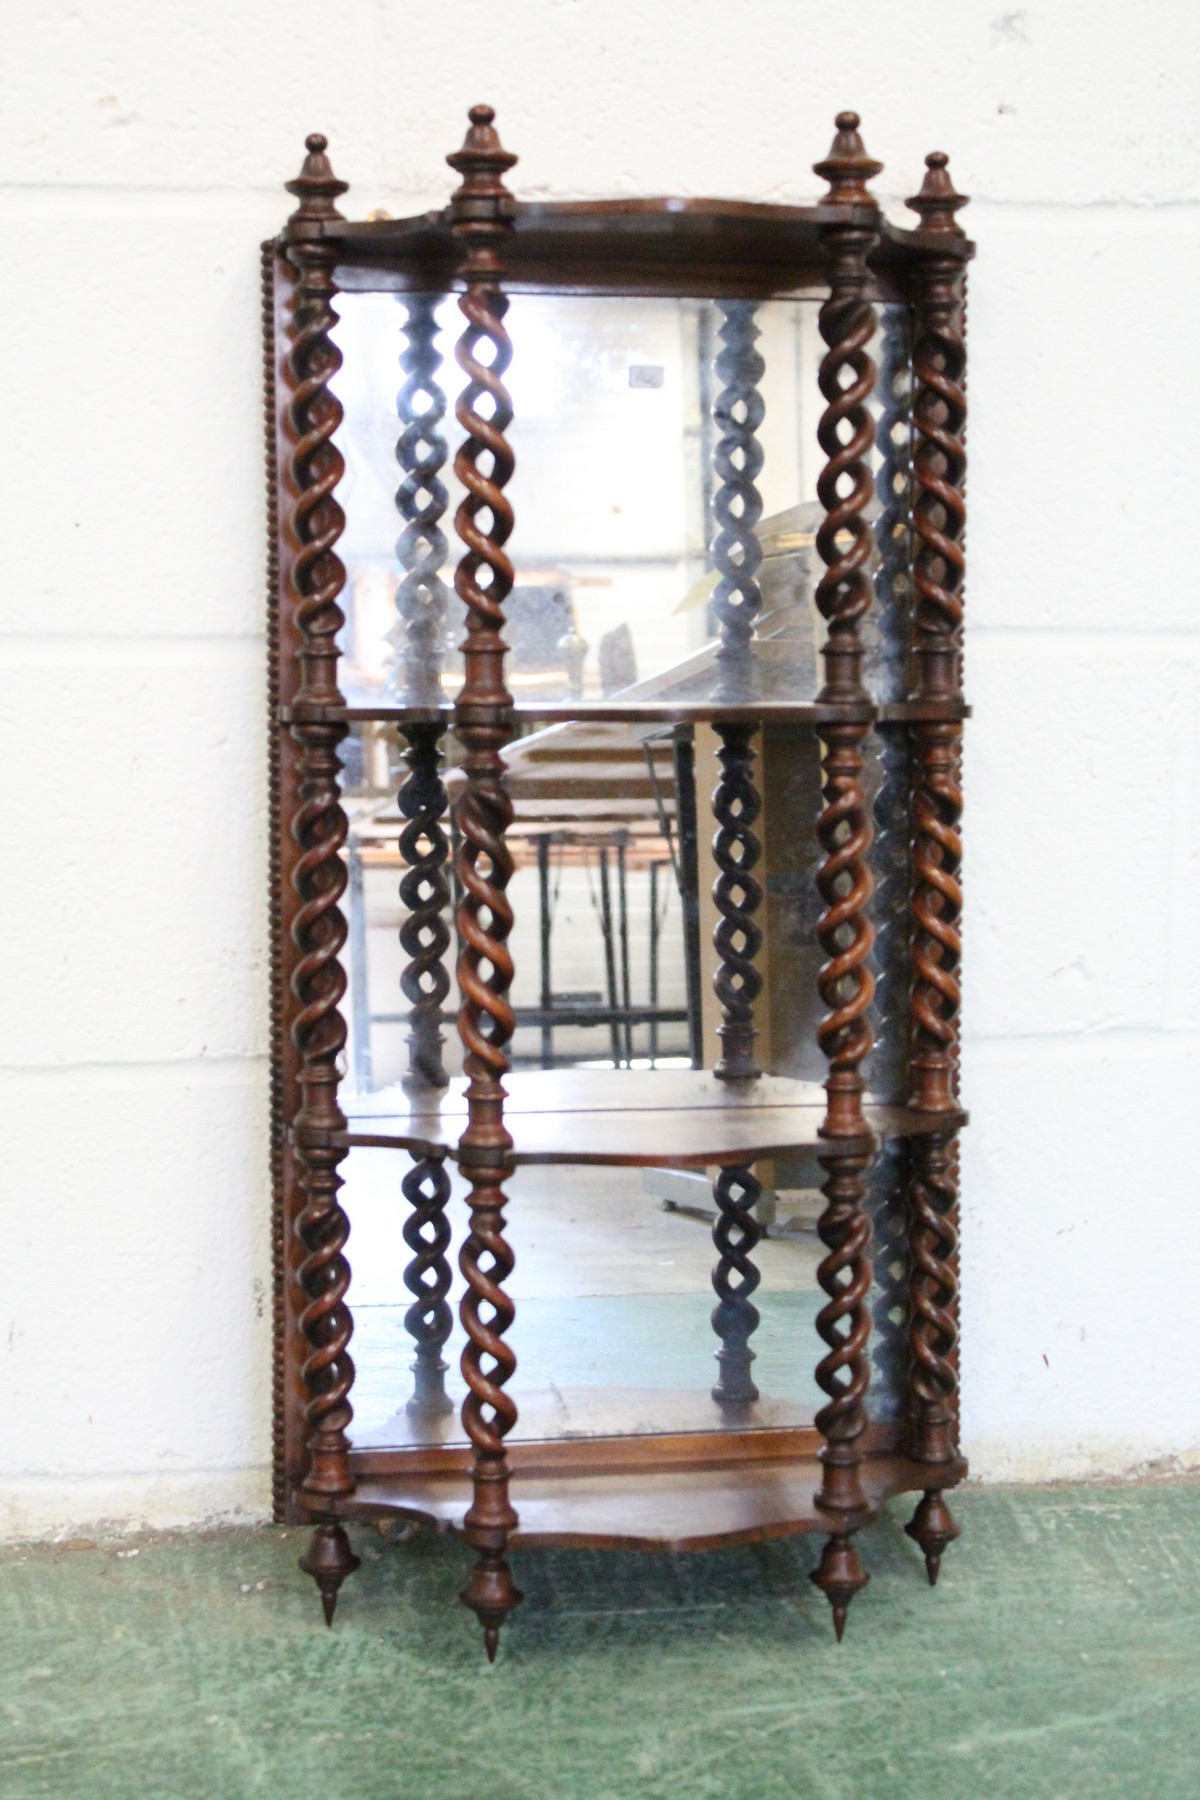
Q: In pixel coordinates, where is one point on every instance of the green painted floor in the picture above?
(1059, 1656)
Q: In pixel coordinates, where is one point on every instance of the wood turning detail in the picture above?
(480, 211)
(939, 518)
(737, 895)
(844, 544)
(319, 827)
(911, 555)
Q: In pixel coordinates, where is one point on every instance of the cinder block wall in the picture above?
(142, 161)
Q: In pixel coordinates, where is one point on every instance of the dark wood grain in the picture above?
(688, 1489)
(939, 523)
(659, 245)
(318, 930)
(480, 218)
(845, 544)
(676, 1510)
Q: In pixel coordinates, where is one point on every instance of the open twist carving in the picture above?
(893, 526)
(483, 579)
(317, 464)
(319, 827)
(939, 517)
(735, 1318)
(887, 1207)
(421, 500)
(426, 1187)
(737, 982)
(737, 896)
(425, 896)
(845, 981)
(844, 1322)
(933, 1241)
(845, 487)
(937, 908)
(484, 811)
(939, 465)
(738, 411)
(488, 1361)
(484, 306)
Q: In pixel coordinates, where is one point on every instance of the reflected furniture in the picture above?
(885, 727)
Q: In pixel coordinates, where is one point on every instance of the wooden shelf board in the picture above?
(660, 1118)
(663, 712)
(574, 1424)
(671, 1509)
(627, 245)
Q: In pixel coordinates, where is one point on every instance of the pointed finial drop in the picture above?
(491, 1641)
(329, 1560)
(937, 201)
(931, 1528)
(316, 186)
(481, 162)
(839, 1622)
(848, 168)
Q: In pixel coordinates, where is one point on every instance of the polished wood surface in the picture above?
(661, 1118)
(685, 1489)
(319, 829)
(846, 981)
(697, 1507)
(628, 246)
(939, 525)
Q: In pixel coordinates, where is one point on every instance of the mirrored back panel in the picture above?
(666, 455)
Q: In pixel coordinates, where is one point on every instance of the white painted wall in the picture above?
(142, 160)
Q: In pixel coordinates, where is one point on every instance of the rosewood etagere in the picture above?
(891, 546)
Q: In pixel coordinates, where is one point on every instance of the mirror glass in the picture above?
(625, 416)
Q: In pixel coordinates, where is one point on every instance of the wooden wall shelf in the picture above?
(661, 1118)
(883, 873)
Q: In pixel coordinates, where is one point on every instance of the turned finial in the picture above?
(937, 201)
(848, 168)
(481, 162)
(316, 186)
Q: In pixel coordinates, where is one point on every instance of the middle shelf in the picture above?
(664, 1118)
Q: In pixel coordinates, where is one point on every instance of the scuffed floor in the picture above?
(1059, 1657)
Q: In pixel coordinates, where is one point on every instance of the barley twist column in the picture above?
(939, 515)
(421, 600)
(319, 930)
(891, 860)
(844, 543)
(425, 983)
(737, 895)
(480, 214)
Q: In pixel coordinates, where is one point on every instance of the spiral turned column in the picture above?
(939, 517)
(425, 983)
(845, 982)
(421, 499)
(480, 213)
(421, 601)
(887, 664)
(319, 827)
(737, 412)
(737, 895)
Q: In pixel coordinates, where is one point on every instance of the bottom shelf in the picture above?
(670, 1509)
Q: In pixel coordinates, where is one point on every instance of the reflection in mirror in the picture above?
(633, 418)
(664, 551)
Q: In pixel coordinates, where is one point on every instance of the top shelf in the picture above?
(663, 712)
(658, 245)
